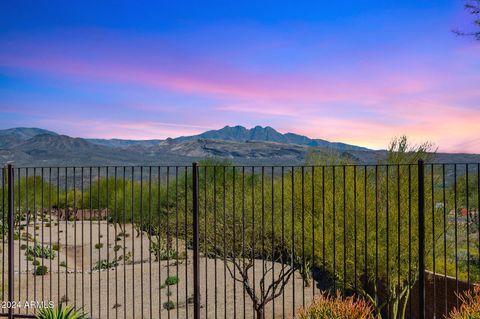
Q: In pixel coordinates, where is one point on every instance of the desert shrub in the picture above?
(63, 264)
(337, 307)
(36, 262)
(98, 245)
(56, 247)
(67, 312)
(23, 246)
(470, 308)
(169, 305)
(172, 280)
(126, 257)
(160, 249)
(40, 271)
(117, 248)
(40, 252)
(105, 264)
(27, 236)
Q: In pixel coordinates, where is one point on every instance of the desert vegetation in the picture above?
(470, 307)
(356, 225)
(327, 306)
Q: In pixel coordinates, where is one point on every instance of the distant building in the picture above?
(463, 212)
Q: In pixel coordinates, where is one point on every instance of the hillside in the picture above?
(266, 134)
(257, 146)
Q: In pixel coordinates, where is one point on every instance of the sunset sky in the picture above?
(359, 71)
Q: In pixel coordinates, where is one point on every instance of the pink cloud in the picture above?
(170, 68)
(452, 129)
(363, 103)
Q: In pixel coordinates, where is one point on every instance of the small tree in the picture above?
(265, 293)
(239, 258)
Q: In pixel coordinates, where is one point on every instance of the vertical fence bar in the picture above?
(10, 221)
(4, 171)
(421, 241)
(196, 247)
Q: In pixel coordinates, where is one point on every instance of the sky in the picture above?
(359, 72)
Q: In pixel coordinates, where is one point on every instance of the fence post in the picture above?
(196, 246)
(10, 220)
(421, 240)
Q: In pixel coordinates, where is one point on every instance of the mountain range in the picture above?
(255, 146)
(238, 134)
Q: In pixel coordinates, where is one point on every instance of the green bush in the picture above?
(169, 305)
(67, 312)
(160, 249)
(98, 245)
(105, 264)
(23, 246)
(40, 252)
(56, 247)
(36, 262)
(172, 280)
(40, 271)
(336, 307)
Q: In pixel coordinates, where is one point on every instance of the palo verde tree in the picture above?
(368, 223)
(239, 228)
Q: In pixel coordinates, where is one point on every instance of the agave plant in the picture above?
(67, 312)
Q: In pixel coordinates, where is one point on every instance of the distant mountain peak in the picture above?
(265, 134)
(237, 133)
(24, 133)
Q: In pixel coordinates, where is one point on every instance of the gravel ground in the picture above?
(136, 289)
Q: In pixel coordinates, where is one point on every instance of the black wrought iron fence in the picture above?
(222, 241)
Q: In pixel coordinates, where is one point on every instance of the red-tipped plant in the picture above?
(470, 308)
(327, 306)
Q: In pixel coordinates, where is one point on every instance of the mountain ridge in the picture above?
(49, 149)
(267, 134)
(227, 133)
(259, 145)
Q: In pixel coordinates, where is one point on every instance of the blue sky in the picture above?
(354, 71)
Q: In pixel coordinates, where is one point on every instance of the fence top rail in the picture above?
(164, 166)
(99, 166)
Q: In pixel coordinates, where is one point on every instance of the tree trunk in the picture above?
(260, 314)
